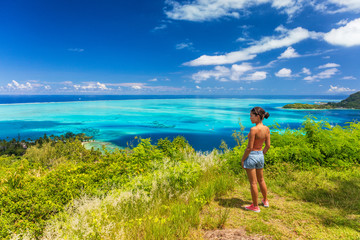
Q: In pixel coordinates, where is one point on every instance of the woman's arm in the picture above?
(249, 146)
(267, 142)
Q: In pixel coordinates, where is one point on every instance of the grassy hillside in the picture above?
(60, 190)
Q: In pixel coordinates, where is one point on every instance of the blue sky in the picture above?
(237, 47)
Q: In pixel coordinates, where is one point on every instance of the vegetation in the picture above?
(60, 190)
(322, 203)
(18, 147)
(353, 101)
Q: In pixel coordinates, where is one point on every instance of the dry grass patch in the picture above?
(287, 218)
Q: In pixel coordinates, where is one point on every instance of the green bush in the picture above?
(51, 174)
(316, 143)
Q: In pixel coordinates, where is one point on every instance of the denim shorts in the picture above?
(254, 160)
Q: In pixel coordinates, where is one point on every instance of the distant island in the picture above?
(353, 101)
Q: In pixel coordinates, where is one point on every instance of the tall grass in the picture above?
(164, 204)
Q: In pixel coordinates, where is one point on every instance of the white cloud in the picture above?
(287, 38)
(337, 89)
(347, 36)
(91, 86)
(206, 10)
(328, 73)
(284, 72)
(238, 70)
(256, 76)
(76, 49)
(281, 29)
(129, 85)
(235, 73)
(67, 82)
(342, 22)
(289, 53)
(188, 45)
(217, 73)
(329, 65)
(197, 87)
(160, 27)
(137, 87)
(241, 39)
(290, 7)
(153, 80)
(101, 86)
(221, 59)
(17, 86)
(349, 78)
(47, 87)
(346, 5)
(306, 71)
(311, 79)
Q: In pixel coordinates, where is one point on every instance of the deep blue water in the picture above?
(203, 120)
(8, 99)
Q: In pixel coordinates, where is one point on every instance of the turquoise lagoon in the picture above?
(203, 121)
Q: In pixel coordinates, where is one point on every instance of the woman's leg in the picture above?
(253, 185)
(261, 180)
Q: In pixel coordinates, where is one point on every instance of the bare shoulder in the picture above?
(254, 129)
(267, 129)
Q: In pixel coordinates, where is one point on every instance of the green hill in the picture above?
(353, 101)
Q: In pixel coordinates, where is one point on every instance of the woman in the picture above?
(253, 158)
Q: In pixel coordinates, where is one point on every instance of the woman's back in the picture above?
(262, 133)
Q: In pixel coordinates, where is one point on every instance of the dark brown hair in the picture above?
(258, 111)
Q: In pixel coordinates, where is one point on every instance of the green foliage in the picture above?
(316, 143)
(309, 106)
(53, 173)
(233, 158)
(239, 136)
(175, 149)
(175, 219)
(18, 148)
(48, 179)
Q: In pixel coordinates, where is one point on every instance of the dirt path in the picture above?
(231, 234)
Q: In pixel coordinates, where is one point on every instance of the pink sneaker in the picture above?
(252, 208)
(265, 203)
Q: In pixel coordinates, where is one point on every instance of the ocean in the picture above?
(203, 120)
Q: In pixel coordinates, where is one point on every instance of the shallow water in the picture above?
(203, 121)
